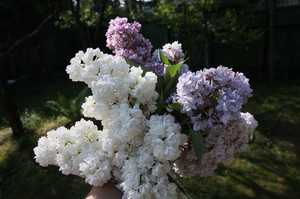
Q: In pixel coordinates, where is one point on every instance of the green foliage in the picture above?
(113, 9)
(70, 108)
(31, 119)
(230, 21)
(234, 26)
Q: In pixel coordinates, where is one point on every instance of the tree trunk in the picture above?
(10, 107)
(76, 15)
(99, 24)
(9, 104)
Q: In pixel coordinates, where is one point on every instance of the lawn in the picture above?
(269, 169)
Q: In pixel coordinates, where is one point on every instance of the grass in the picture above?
(269, 169)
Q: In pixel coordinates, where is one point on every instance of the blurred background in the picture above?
(259, 38)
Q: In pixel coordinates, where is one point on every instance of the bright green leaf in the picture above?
(174, 106)
(163, 58)
(167, 76)
(174, 69)
(170, 85)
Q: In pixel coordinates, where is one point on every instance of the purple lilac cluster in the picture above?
(221, 142)
(125, 40)
(212, 96)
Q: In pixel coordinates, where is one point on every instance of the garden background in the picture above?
(259, 38)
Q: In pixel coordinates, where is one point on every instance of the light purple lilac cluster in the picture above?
(221, 142)
(212, 96)
(125, 40)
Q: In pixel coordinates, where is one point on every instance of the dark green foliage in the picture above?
(70, 108)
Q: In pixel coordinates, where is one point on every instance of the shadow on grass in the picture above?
(24, 178)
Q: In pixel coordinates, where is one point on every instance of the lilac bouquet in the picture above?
(157, 116)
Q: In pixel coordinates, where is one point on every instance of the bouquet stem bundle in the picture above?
(157, 116)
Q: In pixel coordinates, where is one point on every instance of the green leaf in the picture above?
(160, 85)
(161, 104)
(174, 69)
(184, 121)
(198, 143)
(163, 58)
(77, 102)
(170, 91)
(167, 75)
(144, 68)
(131, 63)
(174, 106)
(54, 106)
(171, 85)
(63, 101)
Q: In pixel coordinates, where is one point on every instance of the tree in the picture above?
(90, 16)
(8, 102)
(84, 15)
(201, 21)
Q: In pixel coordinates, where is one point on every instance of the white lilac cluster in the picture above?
(82, 150)
(212, 98)
(113, 83)
(136, 147)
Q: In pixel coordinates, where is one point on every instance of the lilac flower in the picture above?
(221, 142)
(126, 41)
(174, 54)
(212, 96)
